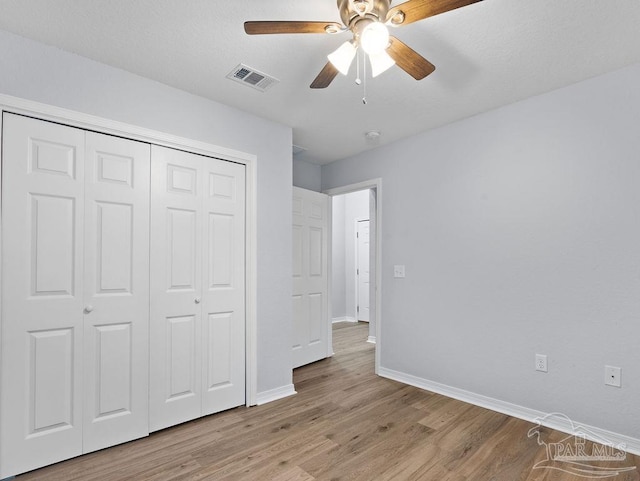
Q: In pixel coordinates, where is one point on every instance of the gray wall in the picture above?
(37, 72)
(306, 175)
(520, 232)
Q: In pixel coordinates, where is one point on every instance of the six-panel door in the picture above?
(116, 291)
(310, 277)
(76, 270)
(76, 291)
(197, 287)
(42, 294)
(223, 287)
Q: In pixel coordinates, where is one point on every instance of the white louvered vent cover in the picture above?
(252, 78)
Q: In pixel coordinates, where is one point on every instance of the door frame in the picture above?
(375, 219)
(84, 121)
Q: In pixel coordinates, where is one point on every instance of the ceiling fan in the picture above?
(367, 20)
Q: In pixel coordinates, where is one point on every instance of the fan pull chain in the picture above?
(364, 71)
(364, 83)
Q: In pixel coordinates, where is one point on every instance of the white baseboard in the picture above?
(550, 420)
(371, 339)
(275, 394)
(343, 319)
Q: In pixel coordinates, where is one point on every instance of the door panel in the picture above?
(182, 238)
(223, 297)
(310, 280)
(220, 339)
(181, 358)
(317, 325)
(53, 252)
(298, 239)
(315, 251)
(198, 286)
(51, 371)
(114, 248)
(221, 255)
(116, 296)
(176, 270)
(42, 335)
(112, 371)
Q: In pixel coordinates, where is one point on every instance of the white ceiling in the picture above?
(487, 55)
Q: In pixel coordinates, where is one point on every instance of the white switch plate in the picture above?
(612, 376)
(398, 271)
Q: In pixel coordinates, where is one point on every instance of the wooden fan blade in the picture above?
(269, 27)
(325, 77)
(409, 60)
(414, 10)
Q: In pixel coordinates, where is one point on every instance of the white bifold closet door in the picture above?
(197, 285)
(116, 291)
(75, 296)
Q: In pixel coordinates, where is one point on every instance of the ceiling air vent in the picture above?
(252, 78)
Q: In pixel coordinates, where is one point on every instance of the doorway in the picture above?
(353, 207)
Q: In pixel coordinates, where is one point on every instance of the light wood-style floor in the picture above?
(345, 423)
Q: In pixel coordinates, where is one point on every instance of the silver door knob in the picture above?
(197, 300)
(88, 309)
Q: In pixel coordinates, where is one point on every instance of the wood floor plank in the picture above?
(345, 424)
(293, 474)
(503, 454)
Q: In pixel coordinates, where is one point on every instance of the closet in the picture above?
(197, 286)
(115, 252)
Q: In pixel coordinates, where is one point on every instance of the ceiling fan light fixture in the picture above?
(375, 38)
(380, 62)
(343, 57)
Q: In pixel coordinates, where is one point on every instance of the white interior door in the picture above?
(176, 284)
(362, 270)
(74, 367)
(197, 286)
(310, 277)
(42, 294)
(223, 295)
(116, 291)
(75, 292)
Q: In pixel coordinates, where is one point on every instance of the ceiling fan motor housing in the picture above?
(372, 8)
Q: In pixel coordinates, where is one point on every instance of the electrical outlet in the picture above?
(612, 376)
(541, 362)
(398, 272)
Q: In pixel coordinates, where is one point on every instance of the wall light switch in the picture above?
(398, 271)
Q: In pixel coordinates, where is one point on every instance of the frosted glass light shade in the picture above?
(342, 57)
(374, 38)
(380, 62)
